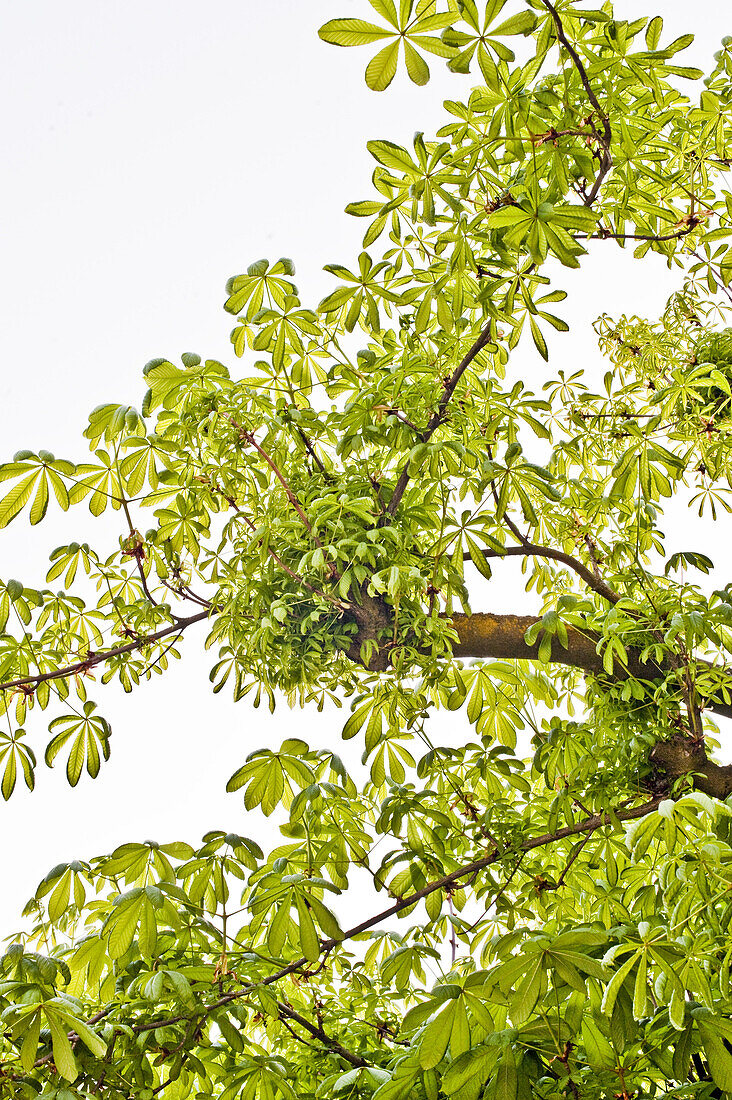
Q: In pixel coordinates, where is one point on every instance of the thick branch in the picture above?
(499, 637)
(682, 757)
(503, 637)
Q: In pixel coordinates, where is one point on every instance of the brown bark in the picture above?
(680, 757)
(502, 637)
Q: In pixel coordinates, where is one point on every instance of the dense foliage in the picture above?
(557, 926)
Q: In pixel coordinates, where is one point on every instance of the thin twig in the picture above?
(530, 549)
(320, 1034)
(136, 552)
(605, 157)
(441, 411)
(470, 870)
(93, 659)
(248, 437)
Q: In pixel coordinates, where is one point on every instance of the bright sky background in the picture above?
(151, 150)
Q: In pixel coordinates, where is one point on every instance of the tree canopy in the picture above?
(330, 521)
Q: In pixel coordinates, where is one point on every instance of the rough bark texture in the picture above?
(373, 618)
(502, 636)
(680, 757)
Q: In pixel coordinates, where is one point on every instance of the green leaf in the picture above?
(391, 155)
(29, 1046)
(308, 936)
(10, 774)
(477, 557)
(277, 931)
(90, 1040)
(598, 1049)
(351, 32)
(613, 987)
(528, 991)
(325, 919)
(123, 921)
(63, 1056)
(653, 32)
(436, 1036)
(507, 1076)
(640, 994)
(381, 69)
(523, 22)
(386, 9)
(719, 1058)
(417, 67)
(682, 1053)
(538, 338)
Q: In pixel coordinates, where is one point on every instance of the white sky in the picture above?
(151, 150)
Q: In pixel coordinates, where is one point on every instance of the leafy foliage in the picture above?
(555, 914)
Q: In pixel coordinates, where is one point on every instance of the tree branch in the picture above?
(605, 165)
(589, 825)
(93, 659)
(248, 437)
(340, 604)
(440, 412)
(533, 549)
(606, 161)
(136, 550)
(319, 1034)
(503, 637)
(608, 235)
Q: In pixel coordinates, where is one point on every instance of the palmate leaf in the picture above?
(16, 757)
(111, 421)
(64, 883)
(102, 482)
(267, 777)
(414, 26)
(352, 32)
(89, 735)
(262, 284)
(35, 473)
(122, 922)
(382, 68)
(482, 38)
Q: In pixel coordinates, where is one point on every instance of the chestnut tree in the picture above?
(544, 910)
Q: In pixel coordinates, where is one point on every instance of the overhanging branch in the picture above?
(530, 549)
(587, 826)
